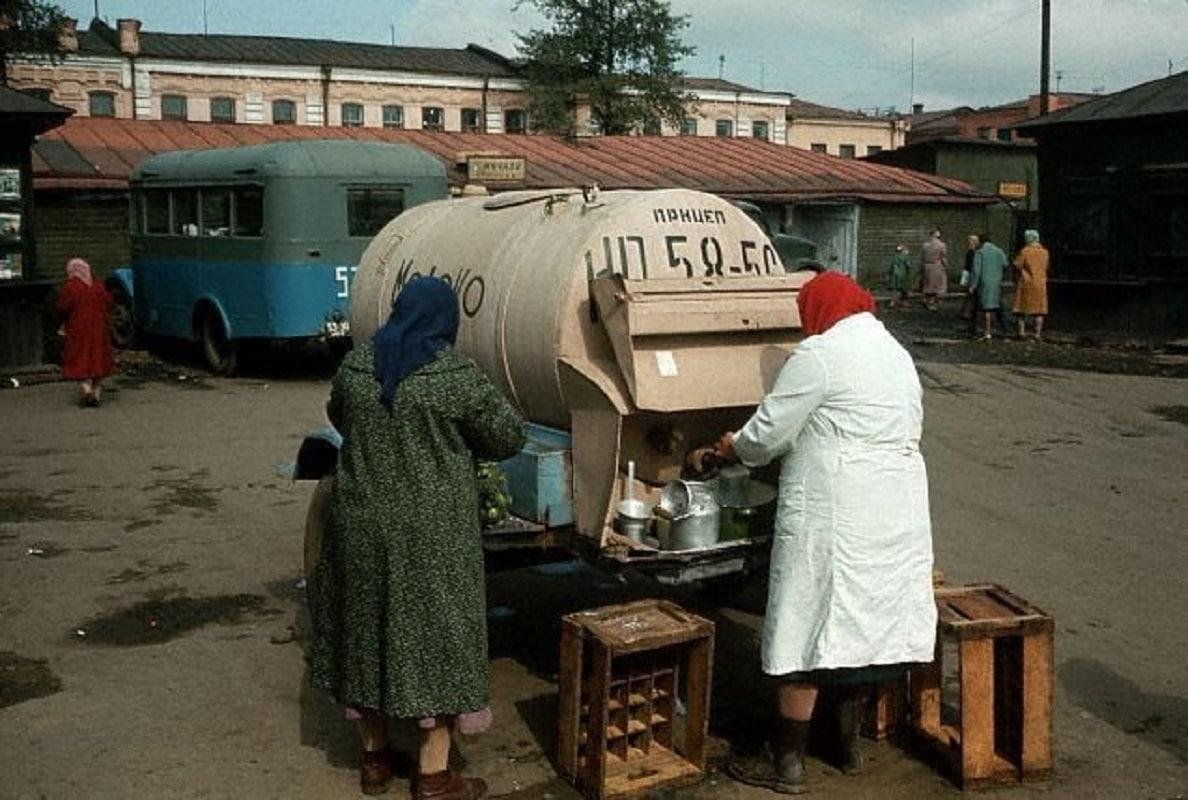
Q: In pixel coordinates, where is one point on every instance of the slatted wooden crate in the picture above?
(1005, 673)
(619, 734)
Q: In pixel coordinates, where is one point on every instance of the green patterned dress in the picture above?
(398, 597)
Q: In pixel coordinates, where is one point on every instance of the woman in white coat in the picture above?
(850, 598)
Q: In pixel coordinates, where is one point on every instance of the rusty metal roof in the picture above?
(741, 168)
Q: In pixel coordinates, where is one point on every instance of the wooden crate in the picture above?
(620, 668)
(1005, 668)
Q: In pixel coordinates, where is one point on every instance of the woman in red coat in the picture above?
(88, 354)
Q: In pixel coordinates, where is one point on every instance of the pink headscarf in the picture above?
(77, 268)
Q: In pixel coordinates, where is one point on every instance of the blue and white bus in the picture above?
(261, 242)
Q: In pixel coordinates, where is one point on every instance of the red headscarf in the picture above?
(828, 299)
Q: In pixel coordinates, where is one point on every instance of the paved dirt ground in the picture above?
(151, 629)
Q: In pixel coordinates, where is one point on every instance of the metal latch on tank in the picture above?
(699, 343)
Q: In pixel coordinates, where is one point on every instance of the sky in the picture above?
(856, 54)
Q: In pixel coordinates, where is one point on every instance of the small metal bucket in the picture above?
(693, 516)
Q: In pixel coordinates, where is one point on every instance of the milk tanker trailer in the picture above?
(628, 326)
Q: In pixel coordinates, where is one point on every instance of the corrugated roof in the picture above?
(803, 109)
(718, 85)
(13, 102)
(742, 168)
(101, 39)
(1154, 98)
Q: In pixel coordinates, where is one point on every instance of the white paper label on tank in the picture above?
(666, 363)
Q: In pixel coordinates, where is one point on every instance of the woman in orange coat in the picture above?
(1031, 293)
(87, 356)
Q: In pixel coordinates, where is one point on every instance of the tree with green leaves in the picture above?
(29, 27)
(619, 56)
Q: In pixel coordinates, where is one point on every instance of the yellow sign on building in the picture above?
(486, 168)
(1012, 190)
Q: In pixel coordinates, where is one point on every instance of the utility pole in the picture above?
(721, 66)
(205, 27)
(1045, 56)
(912, 88)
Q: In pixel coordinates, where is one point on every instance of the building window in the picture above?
(1003, 134)
(689, 126)
(433, 118)
(761, 130)
(846, 150)
(352, 115)
(173, 106)
(472, 120)
(101, 104)
(724, 128)
(873, 149)
(393, 116)
(284, 112)
(222, 109)
(651, 126)
(983, 133)
(819, 147)
(40, 94)
(515, 120)
(369, 209)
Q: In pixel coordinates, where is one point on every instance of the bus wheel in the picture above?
(221, 353)
(121, 321)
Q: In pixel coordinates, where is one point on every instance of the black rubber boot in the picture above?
(789, 746)
(850, 707)
(784, 770)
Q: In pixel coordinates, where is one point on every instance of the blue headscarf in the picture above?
(424, 321)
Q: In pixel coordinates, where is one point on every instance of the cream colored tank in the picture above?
(522, 264)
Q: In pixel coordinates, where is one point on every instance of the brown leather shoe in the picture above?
(376, 772)
(448, 786)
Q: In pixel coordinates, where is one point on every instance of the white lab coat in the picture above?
(851, 564)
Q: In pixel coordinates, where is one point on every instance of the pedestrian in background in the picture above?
(398, 596)
(1031, 293)
(87, 353)
(897, 275)
(989, 265)
(934, 278)
(969, 311)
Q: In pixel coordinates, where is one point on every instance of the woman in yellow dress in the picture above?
(1031, 291)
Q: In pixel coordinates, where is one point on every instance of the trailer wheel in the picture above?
(222, 354)
(121, 320)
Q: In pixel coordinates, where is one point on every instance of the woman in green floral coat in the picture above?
(398, 595)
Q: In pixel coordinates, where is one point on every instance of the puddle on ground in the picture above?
(24, 679)
(183, 493)
(146, 571)
(1172, 413)
(24, 505)
(160, 619)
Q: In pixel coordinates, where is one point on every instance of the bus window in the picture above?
(370, 209)
(249, 211)
(185, 212)
(156, 212)
(216, 212)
